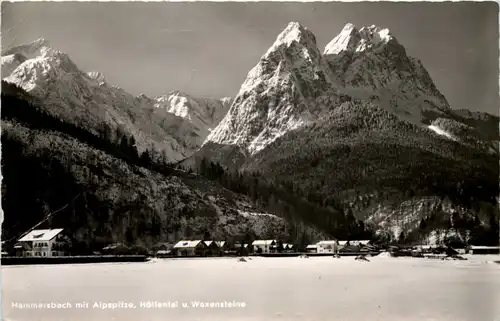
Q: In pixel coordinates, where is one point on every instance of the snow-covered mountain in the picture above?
(293, 84)
(88, 100)
(290, 86)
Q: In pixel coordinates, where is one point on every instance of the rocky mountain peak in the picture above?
(351, 39)
(294, 33)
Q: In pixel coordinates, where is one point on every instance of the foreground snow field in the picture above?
(316, 288)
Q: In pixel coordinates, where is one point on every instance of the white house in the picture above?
(264, 246)
(329, 246)
(190, 248)
(43, 243)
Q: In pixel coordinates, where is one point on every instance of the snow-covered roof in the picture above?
(220, 243)
(362, 241)
(354, 242)
(187, 244)
(326, 242)
(209, 243)
(41, 235)
(263, 242)
(482, 247)
(312, 246)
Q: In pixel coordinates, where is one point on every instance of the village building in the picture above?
(43, 243)
(287, 247)
(329, 246)
(190, 248)
(212, 248)
(354, 245)
(163, 249)
(223, 246)
(475, 249)
(242, 249)
(264, 246)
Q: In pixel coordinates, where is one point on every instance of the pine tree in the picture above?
(146, 158)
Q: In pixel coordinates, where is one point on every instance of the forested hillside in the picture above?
(363, 158)
(102, 191)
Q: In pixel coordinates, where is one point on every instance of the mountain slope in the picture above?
(105, 195)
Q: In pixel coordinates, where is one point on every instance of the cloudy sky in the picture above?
(206, 49)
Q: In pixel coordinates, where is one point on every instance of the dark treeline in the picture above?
(280, 199)
(19, 106)
(480, 233)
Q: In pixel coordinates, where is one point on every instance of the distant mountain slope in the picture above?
(88, 100)
(203, 113)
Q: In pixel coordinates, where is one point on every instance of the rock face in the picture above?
(360, 117)
(203, 113)
(88, 100)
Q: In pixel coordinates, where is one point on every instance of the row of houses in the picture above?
(219, 248)
(335, 246)
(54, 242)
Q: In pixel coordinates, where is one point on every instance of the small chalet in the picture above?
(212, 248)
(242, 248)
(43, 243)
(223, 246)
(287, 247)
(163, 249)
(329, 246)
(190, 248)
(264, 246)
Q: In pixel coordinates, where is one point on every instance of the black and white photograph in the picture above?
(237, 161)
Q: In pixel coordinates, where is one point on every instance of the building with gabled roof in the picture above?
(327, 246)
(190, 248)
(43, 243)
(212, 248)
(264, 246)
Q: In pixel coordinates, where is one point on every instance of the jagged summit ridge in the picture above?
(39, 47)
(352, 39)
(98, 76)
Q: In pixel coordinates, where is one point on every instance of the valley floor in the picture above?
(317, 288)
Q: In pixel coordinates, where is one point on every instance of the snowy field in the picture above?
(320, 288)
